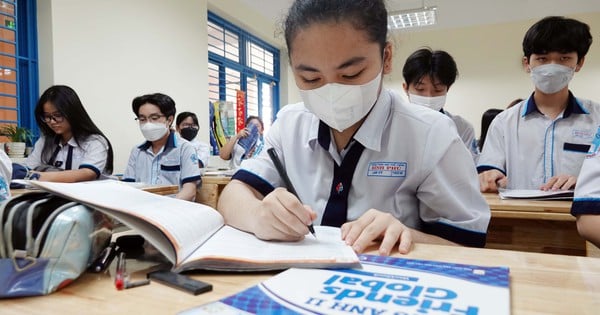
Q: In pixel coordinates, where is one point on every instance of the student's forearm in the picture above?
(225, 151)
(238, 203)
(70, 176)
(187, 192)
(588, 226)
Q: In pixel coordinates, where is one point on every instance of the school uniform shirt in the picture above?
(175, 164)
(530, 148)
(404, 160)
(587, 191)
(202, 152)
(92, 154)
(239, 154)
(466, 133)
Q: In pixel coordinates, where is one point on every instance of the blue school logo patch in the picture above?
(387, 169)
(194, 158)
(595, 147)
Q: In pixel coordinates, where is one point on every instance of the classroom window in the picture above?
(18, 63)
(237, 60)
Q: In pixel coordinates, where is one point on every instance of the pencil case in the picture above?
(46, 242)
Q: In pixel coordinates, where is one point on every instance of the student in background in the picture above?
(187, 126)
(245, 144)
(358, 155)
(164, 158)
(586, 203)
(428, 75)
(486, 120)
(70, 144)
(541, 142)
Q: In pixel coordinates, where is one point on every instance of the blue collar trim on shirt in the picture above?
(573, 107)
(171, 143)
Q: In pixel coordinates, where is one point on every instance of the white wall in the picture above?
(112, 51)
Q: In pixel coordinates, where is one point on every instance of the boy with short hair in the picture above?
(428, 75)
(541, 142)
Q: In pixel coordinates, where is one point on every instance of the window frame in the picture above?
(246, 71)
(26, 64)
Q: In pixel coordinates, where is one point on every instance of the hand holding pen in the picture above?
(286, 180)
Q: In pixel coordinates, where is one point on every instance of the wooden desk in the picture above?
(540, 284)
(534, 226)
(211, 189)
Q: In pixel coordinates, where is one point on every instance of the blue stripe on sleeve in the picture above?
(455, 234)
(255, 181)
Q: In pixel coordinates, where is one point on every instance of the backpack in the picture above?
(46, 242)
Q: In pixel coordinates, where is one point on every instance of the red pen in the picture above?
(121, 275)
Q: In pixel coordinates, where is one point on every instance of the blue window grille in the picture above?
(238, 60)
(18, 63)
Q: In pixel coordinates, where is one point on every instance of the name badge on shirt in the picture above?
(387, 169)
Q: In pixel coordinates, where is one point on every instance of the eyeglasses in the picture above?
(151, 118)
(182, 126)
(57, 117)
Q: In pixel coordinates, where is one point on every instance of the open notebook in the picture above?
(535, 194)
(194, 236)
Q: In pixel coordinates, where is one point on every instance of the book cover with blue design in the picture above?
(384, 285)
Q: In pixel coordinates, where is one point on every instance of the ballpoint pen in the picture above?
(106, 257)
(286, 180)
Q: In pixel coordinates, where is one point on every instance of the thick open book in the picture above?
(535, 194)
(194, 236)
(385, 285)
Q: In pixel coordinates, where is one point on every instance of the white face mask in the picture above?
(153, 131)
(436, 102)
(339, 105)
(551, 78)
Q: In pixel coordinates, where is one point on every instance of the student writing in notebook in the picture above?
(70, 144)
(164, 158)
(541, 142)
(245, 144)
(187, 127)
(586, 202)
(358, 155)
(428, 75)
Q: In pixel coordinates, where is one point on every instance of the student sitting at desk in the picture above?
(358, 155)
(164, 158)
(245, 144)
(586, 203)
(541, 142)
(70, 141)
(186, 125)
(428, 75)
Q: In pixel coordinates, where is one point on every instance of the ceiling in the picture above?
(461, 13)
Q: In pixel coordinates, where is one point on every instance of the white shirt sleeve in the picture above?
(35, 157)
(96, 153)
(189, 164)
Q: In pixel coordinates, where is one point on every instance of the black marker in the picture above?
(106, 257)
(286, 180)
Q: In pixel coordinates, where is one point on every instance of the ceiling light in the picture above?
(412, 18)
